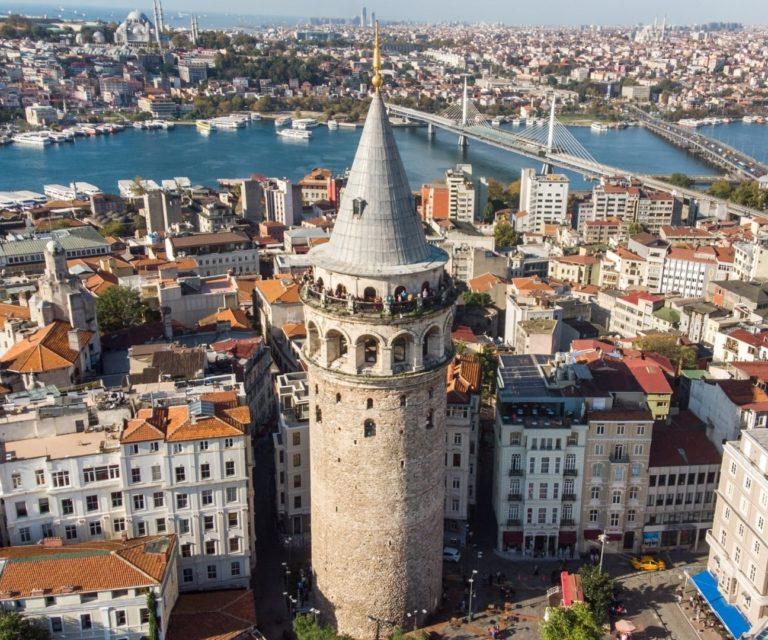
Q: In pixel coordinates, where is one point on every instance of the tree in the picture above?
(112, 228)
(634, 228)
(720, 189)
(505, 236)
(472, 299)
(305, 627)
(489, 361)
(572, 623)
(667, 346)
(153, 631)
(15, 627)
(120, 308)
(598, 590)
(680, 180)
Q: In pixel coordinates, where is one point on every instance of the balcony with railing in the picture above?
(571, 472)
(618, 458)
(567, 522)
(515, 472)
(569, 497)
(389, 308)
(514, 522)
(514, 497)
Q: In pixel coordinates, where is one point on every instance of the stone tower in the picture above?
(378, 311)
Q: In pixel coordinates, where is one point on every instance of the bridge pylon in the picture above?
(547, 168)
(463, 142)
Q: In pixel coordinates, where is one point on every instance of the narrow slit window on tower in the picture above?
(369, 428)
(369, 403)
(430, 419)
(318, 414)
(358, 206)
(403, 401)
(338, 397)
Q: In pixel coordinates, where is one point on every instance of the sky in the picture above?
(565, 12)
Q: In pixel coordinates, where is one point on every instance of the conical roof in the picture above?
(377, 230)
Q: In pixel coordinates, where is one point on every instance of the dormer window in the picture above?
(358, 206)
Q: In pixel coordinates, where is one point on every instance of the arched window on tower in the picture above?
(338, 398)
(430, 419)
(369, 428)
(369, 294)
(369, 403)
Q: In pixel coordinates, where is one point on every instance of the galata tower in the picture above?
(378, 310)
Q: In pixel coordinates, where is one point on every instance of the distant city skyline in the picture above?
(557, 12)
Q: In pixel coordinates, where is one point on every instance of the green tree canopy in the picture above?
(15, 627)
(305, 627)
(120, 308)
(572, 623)
(505, 236)
(472, 299)
(668, 347)
(598, 590)
(680, 180)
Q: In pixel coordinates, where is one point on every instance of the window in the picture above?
(638, 450)
(430, 419)
(231, 494)
(120, 618)
(600, 429)
(138, 502)
(616, 497)
(640, 430)
(532, 465)
(94, 526)
(181, 474)
(70, 532)
(141, 528)
(234, 545)
(206, 497)
(203, 445)
(614, 520)
(752, 572)
(297, 502)
(733, 468)
(542, 519)
(597, 470)
(229, 443)
(620, 430)
(67, 507)
(211, 572)
(91, 503)
(403, 401)
(60, 478)
(756, 548)
(545, 465)
(229, 468)
(43, 506)
(135, 475)
(57, 626)
(16, 480)
(296, 459)
(85, 621)
(633, 493)
(144, 615)
(158, 499)
(297, 481)
(636, 470)
(187, 575)
(160, 525)
(599, 449)
(40, 480)
(296, 438)
(208, 523)
(593, 514)
(543, 491)
(631, 515)
(134, 449)
(183, 525)
(118, 525)
(456, 459)
(736, 554)
(178, 447)
(25, 534)
(182, 500)
(594, 493)
(99, 474)
(21, 509)
(154, 446)
(234, 568)
(210, 547)
(156, 473)
(369, 428)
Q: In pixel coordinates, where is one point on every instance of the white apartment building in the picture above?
(182, 469)
(81, 591)
(462, 199)
(216, 253)
(187, 470)
(292, 453)
(738, 540)
(633, 314)
(462, 428)
(750, 260)
(279, 205)
(539, 456)
(687, 272)
(544, 198)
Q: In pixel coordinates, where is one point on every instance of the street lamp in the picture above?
(479, 557)
(603, 539)
(471, 593)
(414, 614)
(315, 613)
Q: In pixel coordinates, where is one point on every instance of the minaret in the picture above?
(378, 310)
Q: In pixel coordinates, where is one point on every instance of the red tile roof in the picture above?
(680, 445)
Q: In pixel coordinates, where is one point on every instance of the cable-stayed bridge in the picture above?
(549, 142)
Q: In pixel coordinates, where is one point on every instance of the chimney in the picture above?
(73, 340)
(159, 416)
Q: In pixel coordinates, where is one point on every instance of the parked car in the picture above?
(648, 563)
(451, 554)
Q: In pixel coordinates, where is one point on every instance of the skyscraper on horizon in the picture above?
(363, 17)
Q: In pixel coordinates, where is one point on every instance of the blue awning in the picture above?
(733, 620)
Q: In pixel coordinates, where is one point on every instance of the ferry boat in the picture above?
(348, 125)
(283, 121)
(304, 123)
(60, 136)
(691, 123)
(139, 125)
(228, 122)
(33, 139)
(332, 125)
(89, 130)
(255, 117)
(295, 134)
(497, 121)
(515, 122)
(749, 119)
(598, 127)
(204, 126)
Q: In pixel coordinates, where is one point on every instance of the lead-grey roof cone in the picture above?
(377, 230)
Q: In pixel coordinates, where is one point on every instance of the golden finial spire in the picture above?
(376, 80)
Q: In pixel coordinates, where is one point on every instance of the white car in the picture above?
(450, 554)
